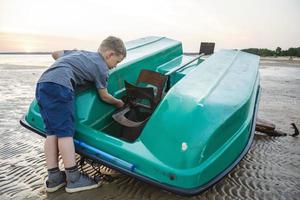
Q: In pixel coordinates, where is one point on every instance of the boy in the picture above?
(55, 97)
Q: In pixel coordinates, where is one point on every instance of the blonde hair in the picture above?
(113, 43)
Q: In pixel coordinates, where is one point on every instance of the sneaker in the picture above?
(78, 181)
(55, 181)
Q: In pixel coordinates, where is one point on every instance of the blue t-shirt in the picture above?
(75, 68)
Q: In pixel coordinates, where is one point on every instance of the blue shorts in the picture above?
(56, 104)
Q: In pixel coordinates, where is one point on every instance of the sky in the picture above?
(49, 25)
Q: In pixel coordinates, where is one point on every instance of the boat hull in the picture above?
(176, 190)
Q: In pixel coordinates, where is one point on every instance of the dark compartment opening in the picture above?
(129, 134)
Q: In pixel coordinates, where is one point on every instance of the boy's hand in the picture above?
(57, 54)
(120, 104)
(108, 98)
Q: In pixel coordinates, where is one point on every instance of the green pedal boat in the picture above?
(188, 121)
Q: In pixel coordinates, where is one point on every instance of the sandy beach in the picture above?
(270, 170)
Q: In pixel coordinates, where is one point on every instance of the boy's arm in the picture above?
(57, 54)
(108, 98)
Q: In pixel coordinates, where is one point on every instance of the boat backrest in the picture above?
(153, 78)
(207, 48)
(140, 93)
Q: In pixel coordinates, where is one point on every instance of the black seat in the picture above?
(140, 102)
(153, 78)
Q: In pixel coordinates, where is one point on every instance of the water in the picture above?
(25, 60)
(270, 170)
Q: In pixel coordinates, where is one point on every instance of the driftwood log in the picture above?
(269, 128)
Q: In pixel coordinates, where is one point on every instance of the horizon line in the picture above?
(21, 52)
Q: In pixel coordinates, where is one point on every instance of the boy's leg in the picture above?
(56, 104)
(46, 98)
(56, 178)
(67, 151)
(51, 151)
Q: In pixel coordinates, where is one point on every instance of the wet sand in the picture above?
(270, 170)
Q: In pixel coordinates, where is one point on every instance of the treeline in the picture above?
(278, 52)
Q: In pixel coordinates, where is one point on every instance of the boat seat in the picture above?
(153, 78)
(140, 102)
